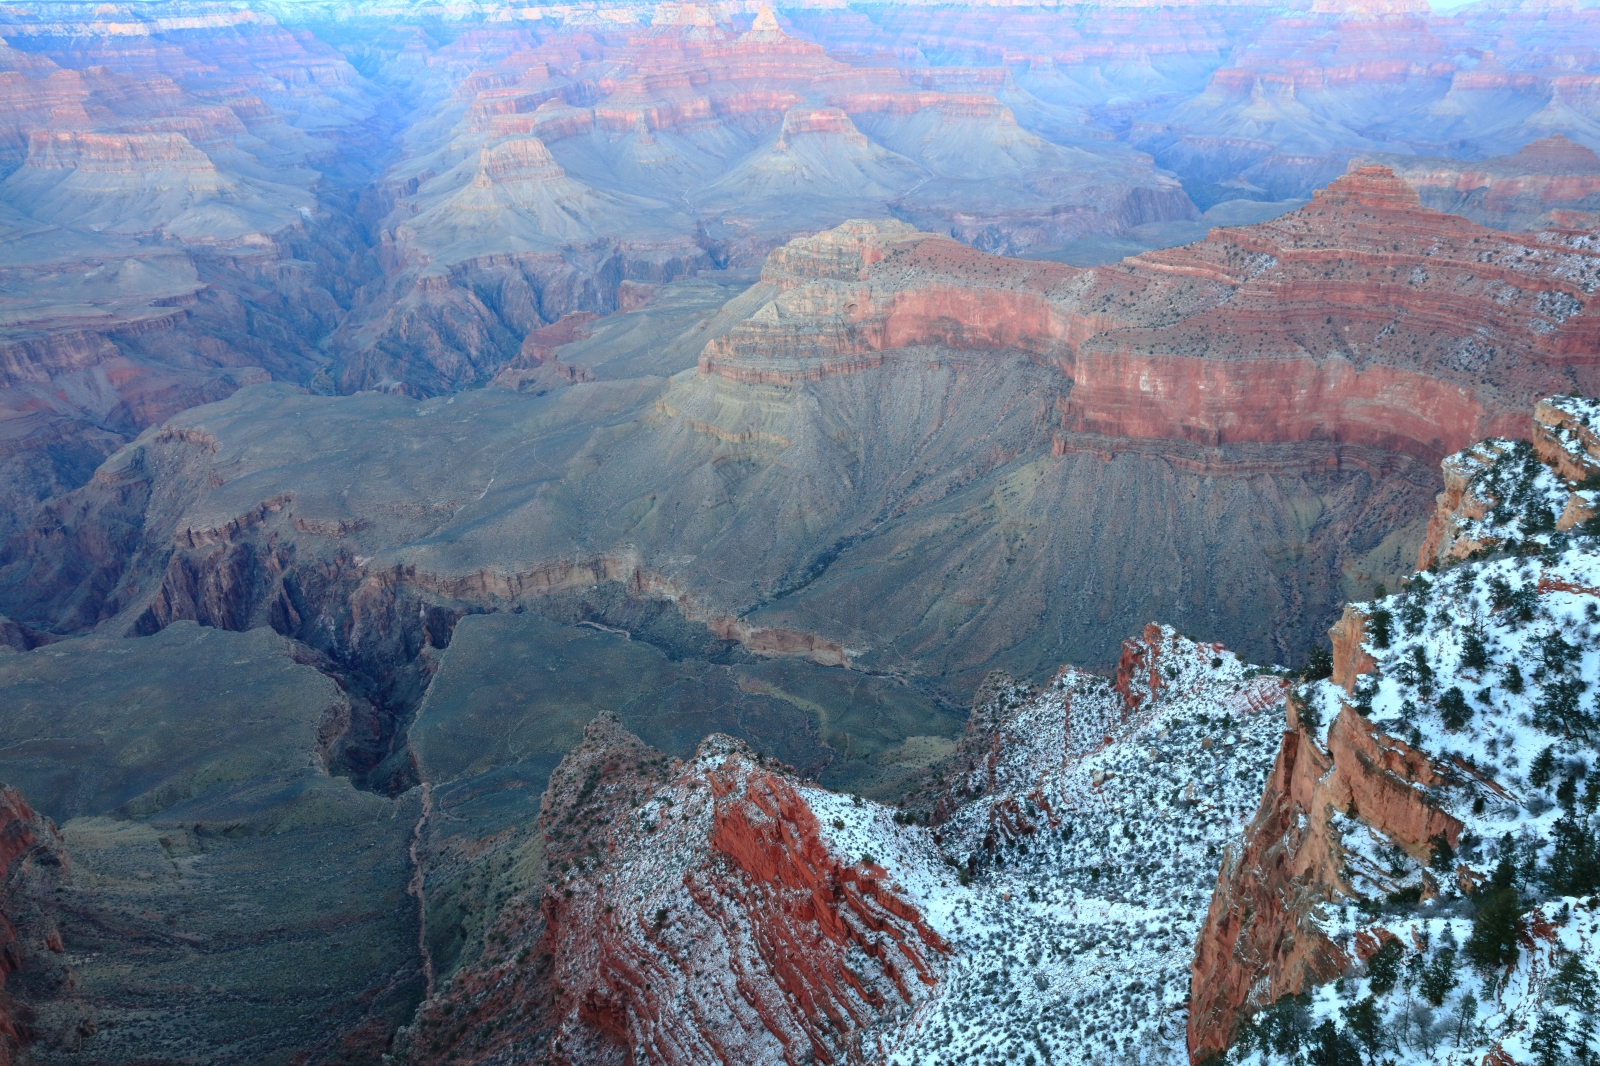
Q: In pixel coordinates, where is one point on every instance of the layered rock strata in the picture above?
(1552, 181)
(1361, 318)
(1393, 784)
(721, 910)
(696, 911)
(169, 234)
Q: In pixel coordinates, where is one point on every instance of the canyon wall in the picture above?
(1389, 788)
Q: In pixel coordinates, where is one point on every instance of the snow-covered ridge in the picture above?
(1089, 820)
(1477, 685)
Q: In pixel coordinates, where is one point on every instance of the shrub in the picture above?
(1309, 717)
(1413, 614)
(1519, 603)
(1574, 868)
(1513, 679)
(1332, 1047)
(1558, 712)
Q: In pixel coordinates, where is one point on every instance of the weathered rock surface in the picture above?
(721, 910)
(1552, 181)
(696, 912)
(1388, 780)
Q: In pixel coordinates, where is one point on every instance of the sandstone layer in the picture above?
(1386, 794)
(695, 912)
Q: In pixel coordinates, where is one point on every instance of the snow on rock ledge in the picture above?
(1419, 882)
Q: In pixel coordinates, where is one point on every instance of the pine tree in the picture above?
(1574, 985)
(1365, 1022)
(1493, 943)
(1439, 978)
(1543, 767)
(1453, 708)
(1547, 1040)
(1466, 1017)
(1513, 679)
(1474, 653)
(1381, 623)
(1383, 969)
(1332, 1047)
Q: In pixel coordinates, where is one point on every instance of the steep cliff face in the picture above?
(1451, 710)
(1501, 491)
(1361, 318)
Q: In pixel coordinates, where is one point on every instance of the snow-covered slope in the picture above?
(723, 910)
(1461, 923)
(1407, 859)
(1094, 818)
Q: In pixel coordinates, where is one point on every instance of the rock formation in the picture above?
(1402, 770)
(167, 239)
(1331, 348)
(1552, 181)
(661, 152)
(722, 910)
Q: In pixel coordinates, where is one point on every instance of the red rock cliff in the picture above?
(1362, 318)
(696, 915)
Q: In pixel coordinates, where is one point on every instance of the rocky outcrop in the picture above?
(1542, 184)
(695, 913)
(1499, 491)
(721, 910)
(1388, 781)
(1262, 938)
(1565, 438)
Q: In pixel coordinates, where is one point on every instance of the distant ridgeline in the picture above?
(1419, 882)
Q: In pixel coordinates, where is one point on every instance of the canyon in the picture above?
(688, 533)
